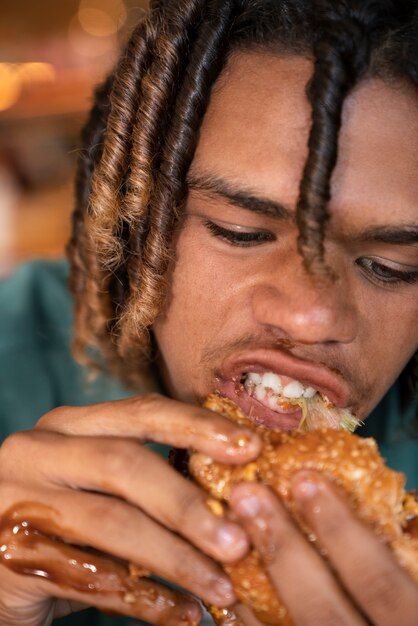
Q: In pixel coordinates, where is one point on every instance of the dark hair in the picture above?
(143, 130)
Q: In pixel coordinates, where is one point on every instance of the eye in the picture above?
(239, 237)
(386, 274)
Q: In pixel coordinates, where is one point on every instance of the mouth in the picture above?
(284, 393)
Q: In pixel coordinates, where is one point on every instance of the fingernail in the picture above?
(242, 443)
(191, 615)
(228, 535)
(223, 587)
(305, 489)
(248, 506)
(184, 620)
(242, 440)
(184, 614)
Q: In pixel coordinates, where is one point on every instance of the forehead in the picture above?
(257, 125)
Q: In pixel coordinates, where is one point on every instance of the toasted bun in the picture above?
(375, 492)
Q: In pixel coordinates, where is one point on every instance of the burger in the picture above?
(374, 492)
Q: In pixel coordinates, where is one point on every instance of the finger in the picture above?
(245, 616)
(367, 567)
(302, 579)
(115, 528)
(131, 471)
(66, 607)
(20, 601)
(238, 615)
(80, 579)
(155, 418)
(225, 617)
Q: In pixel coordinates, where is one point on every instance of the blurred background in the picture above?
(52, 54)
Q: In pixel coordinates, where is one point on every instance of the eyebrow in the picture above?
(213, 185)
(402, 235)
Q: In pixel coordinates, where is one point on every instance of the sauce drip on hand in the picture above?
(30, 545)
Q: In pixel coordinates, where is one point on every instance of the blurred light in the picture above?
(92, 32)
(8, 199)
(101, 18)
(88, 46)
(13, 76)
(97, 22)
(11, 86)
(37, 72)
(115, 9)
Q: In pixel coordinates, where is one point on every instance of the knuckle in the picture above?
(12, 491)
(8, 607)
(106, 517)
(14, 446)
(119, 458)
(112, 515)
(12, 611)
(149, 402)
(55, 416)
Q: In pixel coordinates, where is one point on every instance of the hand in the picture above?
(371, 588)
(83, 476)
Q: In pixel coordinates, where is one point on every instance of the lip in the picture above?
(308, 373)
(274, 419)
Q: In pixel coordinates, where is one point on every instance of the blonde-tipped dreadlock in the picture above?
(143, 130)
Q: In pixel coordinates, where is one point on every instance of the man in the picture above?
(199, 258)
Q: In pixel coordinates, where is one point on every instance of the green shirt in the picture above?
(37, 373)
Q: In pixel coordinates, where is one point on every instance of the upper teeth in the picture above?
(262, 383)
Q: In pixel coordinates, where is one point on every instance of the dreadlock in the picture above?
(143, 130)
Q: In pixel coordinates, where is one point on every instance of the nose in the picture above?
(304, 309)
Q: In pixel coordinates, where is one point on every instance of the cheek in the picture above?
(198, 309)
(389, 339)
(198, 289)
(206, 285)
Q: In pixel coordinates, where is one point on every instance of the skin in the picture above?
(105, 489)
(254, 136)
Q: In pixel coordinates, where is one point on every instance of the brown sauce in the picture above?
(30, 546)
